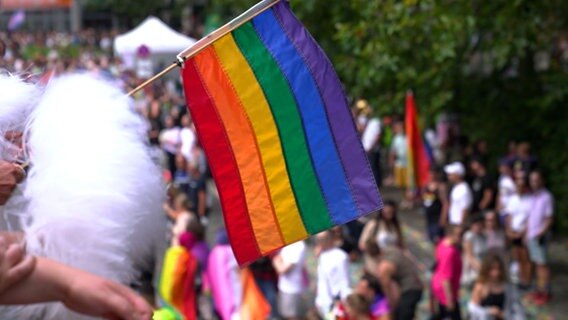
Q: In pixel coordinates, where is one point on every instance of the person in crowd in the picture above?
(197, 188)
(170, 142)
(399, 157)
(290, 266)
(384, 229)
(495, 239)
(266, 278)
(180, 214)
(488, 298)
(518, 210)
(187, 136)
(355, 307)
(223, 274)
(461, 198)
(399, 278)
(505, 186)
(539, 225)
(524, 160)
(434, 204)
(474, 249)
(332, 274)
(180, 179)
(447, 275)
(482, 188)
(370, 287)
(371, 138)
(200, 248)
(480, 151)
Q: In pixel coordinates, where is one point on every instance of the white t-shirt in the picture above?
(187, 141)
(293, 280)
(507, 189)
(170, 139)
(460, 200)
(371, 134)
(518, 207)
(400, 150)
(333, 279)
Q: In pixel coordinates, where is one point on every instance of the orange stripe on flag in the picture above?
(245, 148)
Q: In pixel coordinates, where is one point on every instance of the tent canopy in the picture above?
(154, 34)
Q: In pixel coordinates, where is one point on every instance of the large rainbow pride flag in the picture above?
(279, 137)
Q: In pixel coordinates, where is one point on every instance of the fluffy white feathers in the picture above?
(93, 192)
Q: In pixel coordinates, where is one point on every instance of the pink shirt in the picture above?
(449, 267)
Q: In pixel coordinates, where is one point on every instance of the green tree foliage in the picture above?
(497, 64)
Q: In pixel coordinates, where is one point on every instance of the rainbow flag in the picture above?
(274, 122)
(418, 159)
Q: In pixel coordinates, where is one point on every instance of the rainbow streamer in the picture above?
(274, 122)
(418, 160)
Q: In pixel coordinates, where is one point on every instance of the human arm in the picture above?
(386, 271)
(547, 224)
(10, 175)
(77, 290)
(486, 199)
(281, 266)
(443, 196)
(14, 265)
(202, 201)
(366, 234)
(475, 307)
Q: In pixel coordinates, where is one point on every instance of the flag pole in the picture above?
(209, 39)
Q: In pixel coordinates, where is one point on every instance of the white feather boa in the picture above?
(93, 194)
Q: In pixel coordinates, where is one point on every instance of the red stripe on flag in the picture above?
(223, 165)
(420, 159)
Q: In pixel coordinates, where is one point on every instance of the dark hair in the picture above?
(493, 212)
(372, 282)
(372, 248)
(393, 224)
(195, 227)
(486, 266)
(358, 303)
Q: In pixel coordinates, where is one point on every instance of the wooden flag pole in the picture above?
(209, 39)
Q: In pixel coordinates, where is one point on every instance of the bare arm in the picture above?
(546, 226)
(448, 293)
(202, 203)
(78, 290)
(486, 199)
(366, 234)
(443, 195)
(386, 272)
(281, 266)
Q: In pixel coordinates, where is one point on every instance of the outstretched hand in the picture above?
(14, 265)
(95, 296)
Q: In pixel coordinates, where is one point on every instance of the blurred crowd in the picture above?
(489, 220)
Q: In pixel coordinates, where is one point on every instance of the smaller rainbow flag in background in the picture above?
(274, 122)
(418, 159)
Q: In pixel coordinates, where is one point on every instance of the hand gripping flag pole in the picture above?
(209, 39)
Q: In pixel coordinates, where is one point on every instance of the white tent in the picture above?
(154, 34)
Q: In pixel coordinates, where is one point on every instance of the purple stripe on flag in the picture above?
(353, 157)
